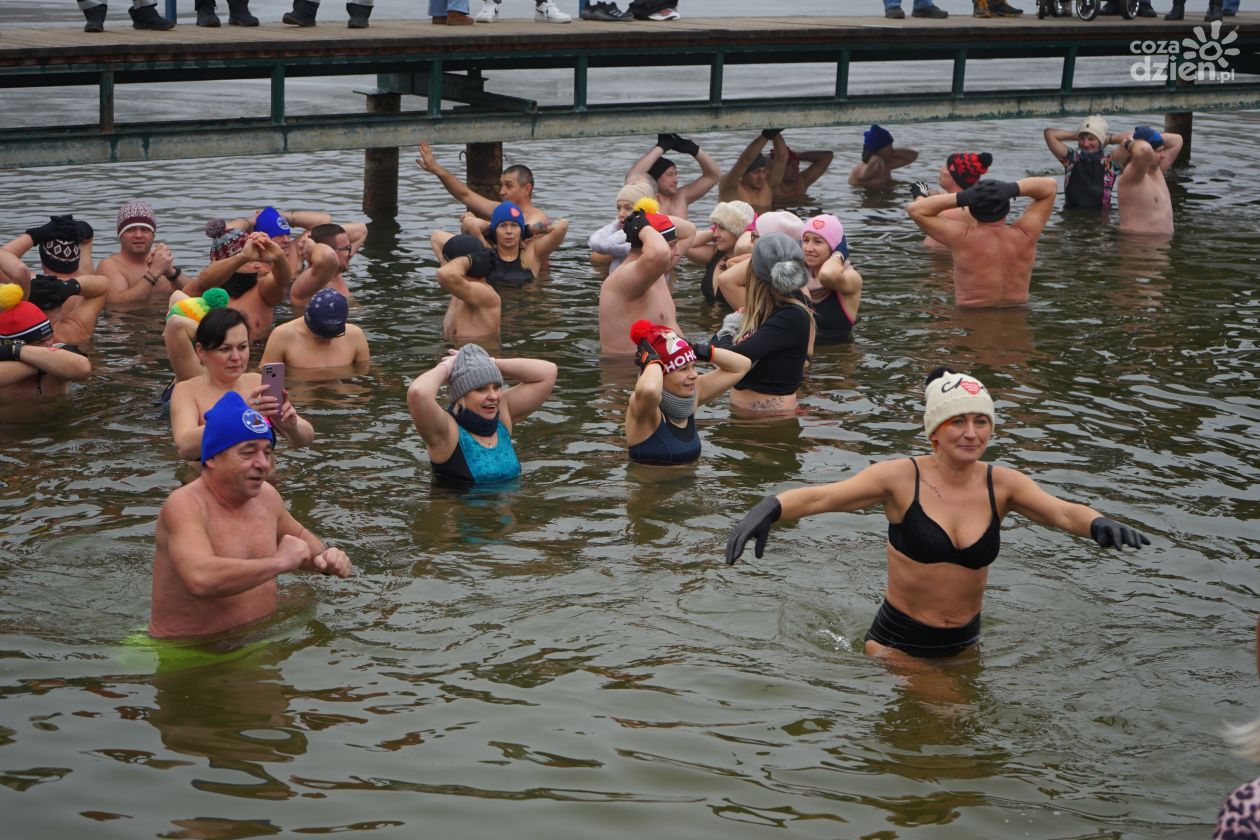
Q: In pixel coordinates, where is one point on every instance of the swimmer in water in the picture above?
(961, 171)
(775, 330)
(661, 418)
(470, 441)
(835, 286)
(713, 248)
(31, 364)
(934, 504)
(879, 159)
(223, 539)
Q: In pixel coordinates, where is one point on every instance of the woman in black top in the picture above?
(776, 329)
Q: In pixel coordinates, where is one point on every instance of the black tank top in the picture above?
(920, 538)
(834, 325)
(708, 286)
(498, 271)
(1083, 182)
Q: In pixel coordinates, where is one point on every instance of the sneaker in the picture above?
(895, 13)
(489, 12)
(605, 12)
(665, 14)
(930, 11)
(549, 12)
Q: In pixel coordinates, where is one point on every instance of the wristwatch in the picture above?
(175, 276)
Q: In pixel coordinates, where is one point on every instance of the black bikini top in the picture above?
(920, 538)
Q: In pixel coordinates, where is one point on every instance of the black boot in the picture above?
(238, 13)
(205, 13)
(1214, 11)
(147, 17)
(1111, 7)
(1177, 12)
(95, 19)
(1145, 10)
(303, 13)
(359, 15)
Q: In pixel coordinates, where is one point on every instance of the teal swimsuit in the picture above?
(472, 462)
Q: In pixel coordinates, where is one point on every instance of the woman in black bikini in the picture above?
(935, 503)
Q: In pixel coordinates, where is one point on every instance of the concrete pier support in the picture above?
(380, 166)
(1181, 122)
(484, 166)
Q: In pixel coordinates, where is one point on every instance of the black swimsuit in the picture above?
(920, 538)
(498, 271)
(708, 286)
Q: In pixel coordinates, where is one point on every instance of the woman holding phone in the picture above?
(222, 346)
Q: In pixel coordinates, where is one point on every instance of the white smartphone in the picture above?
(273, 378)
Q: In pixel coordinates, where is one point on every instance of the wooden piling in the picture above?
(380, 166)
(484, 166)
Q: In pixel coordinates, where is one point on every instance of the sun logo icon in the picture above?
(1210, 48)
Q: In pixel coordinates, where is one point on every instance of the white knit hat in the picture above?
(733, 216)
(953, 394)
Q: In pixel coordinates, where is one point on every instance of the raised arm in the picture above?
(1042, 192)
(460, 191)
(1172, 148)
(633, 279)
(1028, 499)
(436, 426)
(664, 142)
(271, 287)
(731, 367)
(92, 288)
(778, 165)
(728, 184)
(220, 271)
(926, 213)
(710, 172)
(453, 277)
(1056, 142)
(818, 162)
(321, 267)
(873, 171)
(14, 270)
(898, 158)
(186, 425)
(535, 380)
(546, 237)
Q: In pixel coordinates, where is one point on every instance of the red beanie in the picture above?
(674, 350)
(967, 167)
(664, 226)
(25, 322)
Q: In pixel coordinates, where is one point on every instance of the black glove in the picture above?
(770, 133)
(687, 147)
(646, 354)
(46, 232)
(1108, 533)
(918, 190)
(633, 226)
(703, 351)
(11, 350)
(665, 141)
(84, 231)
(756, 523)
(49, 292)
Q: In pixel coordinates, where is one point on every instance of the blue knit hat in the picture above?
(875, 138)
(507, 212)
(1150, 135)
(229, 422)
(270, 222)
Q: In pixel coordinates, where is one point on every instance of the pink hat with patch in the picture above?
(828, 227)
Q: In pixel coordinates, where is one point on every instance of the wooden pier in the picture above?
(435, 81)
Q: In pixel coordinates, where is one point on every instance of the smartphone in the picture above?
(273, 378)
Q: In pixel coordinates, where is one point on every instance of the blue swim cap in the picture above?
(507, 212)
(230, 422)
(875, 138)
(270, 222)
(1150, 135)
(326, 313)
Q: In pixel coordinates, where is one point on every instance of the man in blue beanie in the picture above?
(1142, 188)
(320, 338)
(879, 159)
(223, 539)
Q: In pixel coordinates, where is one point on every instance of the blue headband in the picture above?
(230, 422)
(270, 222)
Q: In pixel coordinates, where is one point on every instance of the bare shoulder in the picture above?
(183, 504)
(354, 331)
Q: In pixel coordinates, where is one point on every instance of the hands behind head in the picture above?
(645, 354)
(448, 361)
(771, 133)
(919, 190)
(633, 226)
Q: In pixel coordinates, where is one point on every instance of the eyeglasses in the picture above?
(347, 249)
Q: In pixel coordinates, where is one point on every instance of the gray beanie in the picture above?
(473, 368)
(778, 261)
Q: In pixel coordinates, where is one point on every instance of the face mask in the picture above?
(475, 423)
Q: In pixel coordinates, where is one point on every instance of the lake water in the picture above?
(568, 656)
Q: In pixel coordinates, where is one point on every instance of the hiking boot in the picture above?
(95, 18)
(980, 9)
(549, 12)
(303, 13)
(1001, 8)
(205, 14)
(489, 12)
(458, 19)
(147, 17)
(359, 15)
(930, 11)
(1213, 11)
(238, 14)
